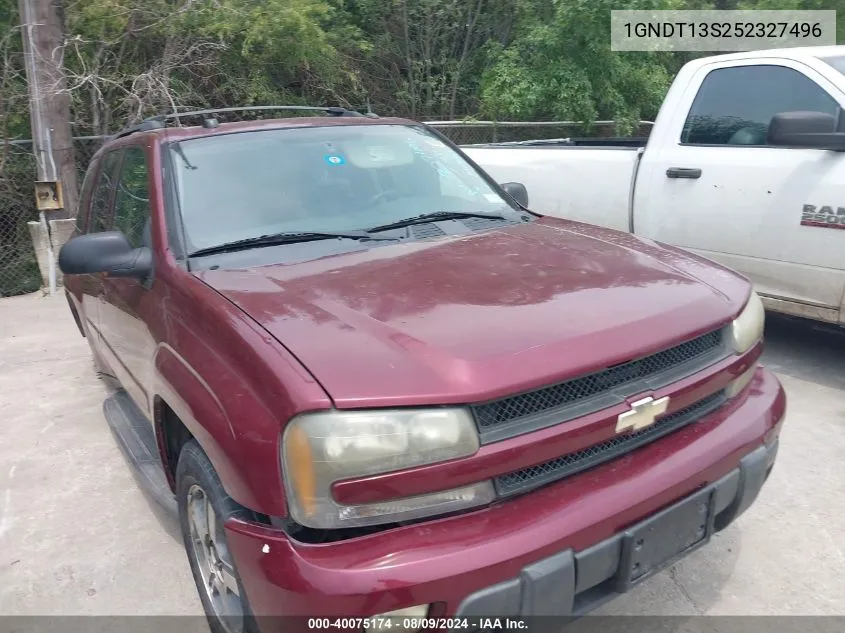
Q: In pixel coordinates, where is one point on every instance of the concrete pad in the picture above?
(76, 534)
(78, 537)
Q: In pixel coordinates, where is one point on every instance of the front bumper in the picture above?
(574, 583)
(561, 549)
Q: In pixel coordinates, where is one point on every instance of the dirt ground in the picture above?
(78, 537)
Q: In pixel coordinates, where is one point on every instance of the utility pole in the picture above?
(42, 30)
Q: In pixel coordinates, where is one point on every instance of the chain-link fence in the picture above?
(18, 267)
(19, 271)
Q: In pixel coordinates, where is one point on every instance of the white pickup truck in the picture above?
(745, 165)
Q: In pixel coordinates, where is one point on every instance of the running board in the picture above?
(138, 443)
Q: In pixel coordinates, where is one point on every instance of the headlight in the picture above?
(319, 449)
(747, 328)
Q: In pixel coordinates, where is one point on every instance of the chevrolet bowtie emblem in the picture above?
(643, 413)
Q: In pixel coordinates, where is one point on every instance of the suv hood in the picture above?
(479, 316)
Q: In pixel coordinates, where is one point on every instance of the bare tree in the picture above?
(97, 75)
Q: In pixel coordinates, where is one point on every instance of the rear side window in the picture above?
(734, 106)
(97, 219)
(132, 201)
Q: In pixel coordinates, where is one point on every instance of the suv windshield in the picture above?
(333, 178)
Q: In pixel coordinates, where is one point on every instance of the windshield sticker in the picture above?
(334, 159)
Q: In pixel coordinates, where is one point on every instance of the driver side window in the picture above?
(132, 199)
(734, 106)
(101, 198)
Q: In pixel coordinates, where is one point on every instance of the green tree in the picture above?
(560, 66)
(426, 57)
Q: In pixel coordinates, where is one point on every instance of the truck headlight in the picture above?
(747, 328)
(321, 448)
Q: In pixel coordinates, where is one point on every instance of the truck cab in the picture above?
(775, 213)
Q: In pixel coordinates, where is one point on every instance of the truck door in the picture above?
(712, 185)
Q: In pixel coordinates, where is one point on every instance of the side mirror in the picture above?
(812, 130)
(109, 252)
(517, 191)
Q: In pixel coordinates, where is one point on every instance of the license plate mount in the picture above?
(662, 540)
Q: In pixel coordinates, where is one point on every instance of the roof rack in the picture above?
(160, 121)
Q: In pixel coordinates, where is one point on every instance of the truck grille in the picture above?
(533, 410)
(529, 478)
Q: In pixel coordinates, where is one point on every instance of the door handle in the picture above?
(683, 172)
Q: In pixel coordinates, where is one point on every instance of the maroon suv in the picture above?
(372, 382)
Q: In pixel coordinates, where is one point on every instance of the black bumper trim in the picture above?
(573, 583)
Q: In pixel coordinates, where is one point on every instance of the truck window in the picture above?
(735, 105)
(96, 220)
(132, 202)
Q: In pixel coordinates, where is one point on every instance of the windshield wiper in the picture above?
(432, 217)
(284, 238)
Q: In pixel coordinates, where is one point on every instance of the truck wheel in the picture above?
(203, 508)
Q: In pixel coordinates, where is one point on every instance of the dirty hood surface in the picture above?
(479, 316)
